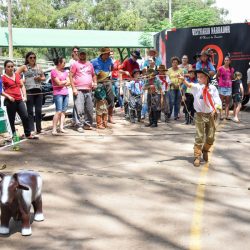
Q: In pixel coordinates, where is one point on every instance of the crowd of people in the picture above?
(140, 87)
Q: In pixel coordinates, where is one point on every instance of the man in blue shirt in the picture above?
(105, 63)
(205, 63)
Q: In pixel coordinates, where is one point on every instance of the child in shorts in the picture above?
(237, 94)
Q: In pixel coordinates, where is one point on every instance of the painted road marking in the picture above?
(196, 226)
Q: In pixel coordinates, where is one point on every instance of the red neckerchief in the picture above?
(163, 79)
(151, 82)
(207, 97)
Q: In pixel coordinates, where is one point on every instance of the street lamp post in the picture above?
(10, 30)
(170, 11)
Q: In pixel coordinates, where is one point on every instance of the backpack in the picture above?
(100, 92)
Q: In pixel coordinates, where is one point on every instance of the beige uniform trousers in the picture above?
(205, 129)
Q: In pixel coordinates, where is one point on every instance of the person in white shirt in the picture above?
(206, 102)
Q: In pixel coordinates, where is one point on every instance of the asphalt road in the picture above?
(133, 187)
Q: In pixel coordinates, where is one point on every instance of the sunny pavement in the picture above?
(132, 187)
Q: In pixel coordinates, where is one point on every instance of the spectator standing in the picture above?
(152, 54)
(165, 83)
(188, 98)
(101, 100)
(154, 98)
(205, 63)
(175, 82)
(33, 77)
(15, 96)
(126, 69)
(74, 55)
(225, 75)
(82, 79)
(237, 93)
(135, 96)
(105, 63)
(185, 66)
(60, 81)
(206, 101)
(248, 80)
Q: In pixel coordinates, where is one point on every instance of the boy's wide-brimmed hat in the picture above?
(136, 54)
(104, 50)
(162, 68)
(203, 71)
(153, 50)
(102, 75)
(135, 71)
(204, 52)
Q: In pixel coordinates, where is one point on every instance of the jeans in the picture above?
(144, 104)
(17, 107)
(83, 108)
(61, 102)
(175, 102)
(34, 100)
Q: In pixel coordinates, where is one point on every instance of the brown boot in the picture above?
(99, 122)
(205, 151)
(197, 155)
(110, 113)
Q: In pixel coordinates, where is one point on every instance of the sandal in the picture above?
(32, 137)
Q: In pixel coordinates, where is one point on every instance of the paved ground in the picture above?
(136, 188)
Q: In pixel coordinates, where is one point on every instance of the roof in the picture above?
(49, 38)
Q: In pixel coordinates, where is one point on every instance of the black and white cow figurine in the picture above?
(18, 192)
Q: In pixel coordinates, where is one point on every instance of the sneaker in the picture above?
(80, 130)
(86, 127)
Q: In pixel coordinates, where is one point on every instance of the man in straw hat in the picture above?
(82, 79)
(104, 63)
(206, 102)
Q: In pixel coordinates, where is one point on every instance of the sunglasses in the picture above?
(75, 51)
(184, 58)
(32, 57)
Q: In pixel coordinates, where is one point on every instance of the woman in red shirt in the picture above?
(15, 95)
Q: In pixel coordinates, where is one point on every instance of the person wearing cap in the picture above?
(83, 80)
(154, 98)
(175, 100)
(152, 54)
(165, 83)
(126, 70)
(135, 88)
(205, 62)
(188, 98)
(101, 100)
(206, 103)
(104, 63)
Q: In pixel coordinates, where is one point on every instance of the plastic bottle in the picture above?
(16, 141)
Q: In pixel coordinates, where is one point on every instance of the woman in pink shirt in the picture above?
(60, 81)
(225, 75)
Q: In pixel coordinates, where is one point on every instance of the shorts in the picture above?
(237, 98)
(225, 91)
(61, 102)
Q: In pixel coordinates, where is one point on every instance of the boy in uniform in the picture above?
(206, 101)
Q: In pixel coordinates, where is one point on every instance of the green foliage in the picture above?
(131, 15)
